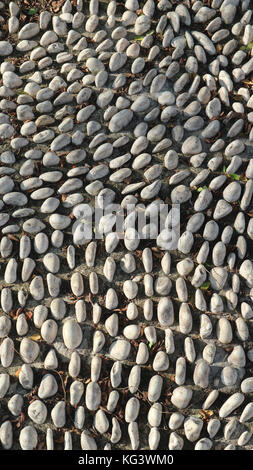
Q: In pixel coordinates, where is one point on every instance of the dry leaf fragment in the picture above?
(12, 237)
(21, 420)
(29, 314)
(18, 372)
(35, 337)
(206, 414)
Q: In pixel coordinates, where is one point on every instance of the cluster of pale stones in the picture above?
(147, 102)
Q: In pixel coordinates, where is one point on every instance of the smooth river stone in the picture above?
(192, 428)
(246, 271)
(247, 385)
(161, 361)
(48, 387)
(26, 377)
(201, 374)
(175, 421)
(29, 350)
(88, 442)
(229, 376)
(247, 413)
(59, 222)
(93, 396)
(76, 283)
(181, 397)
(28, 438)
(5, 325)
(120, 349)
(7, 352)
(49, 331)
(165, 312)
(58, 414)
(33, 226)
(120, 120)
(72, 334)
(130, 289)
(51, 262)
(37, 411)
(4, 384)
(15, 404)
(155, 388)
(233, 402)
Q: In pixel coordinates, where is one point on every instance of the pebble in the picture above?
(247, 413)
(51, 262)
(142, 24)
(49, 331)
(29, 350)
(28, 438)
(185, 266)
(120, 349)
(58, 414)
(162, 122)
(76, 392)
(212, 396)
(213, 427)
(203, 444)
(48, 387)
(4, 384)
(51, 361)
(5, 324)
(33, 226)
(165, 312)
(87, 442)
(134, 379)
(247, 385)
(154, 388)
(176, 442)
(201, 374)
(181, 397)
(218, 278)
(233, 402)
(37, 412)
(175, 421)
(15, 404)
(92, 396)
(192, 428)
(37, 288)
(155, 415)
(154, 438)
(229, 376)
(72, 334)
(101, 422)
(74, 364)
(59, 222)
(161, 362)
(142, 354)
(132, 410)
(26, 377)
(7, 352)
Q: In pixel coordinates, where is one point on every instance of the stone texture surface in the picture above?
(142, 103)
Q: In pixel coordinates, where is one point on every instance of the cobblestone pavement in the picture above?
(137, 338)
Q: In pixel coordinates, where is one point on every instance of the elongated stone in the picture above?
(93, 396)
(233, 402)
(7, 352)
